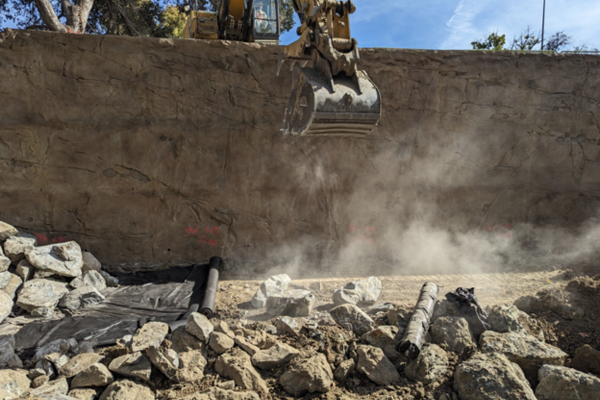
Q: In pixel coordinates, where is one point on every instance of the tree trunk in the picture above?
(77, 15)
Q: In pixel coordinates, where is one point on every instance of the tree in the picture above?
(526, 41)
(557, 41)
(493, 42)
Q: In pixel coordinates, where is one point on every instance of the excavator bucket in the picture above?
(353, 108)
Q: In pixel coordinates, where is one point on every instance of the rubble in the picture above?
(151, 334)
(344, 369)
(83, 394)
(15, 246)
(430, 365)
(95, 375)
(311, 375)
(199, 326)
(41, 293)
(293, 303)
(562, 383)
(376, 366)
(127, 390)
(81, 297)
(25, 270)
(352, 318)
(63, 259)
(6, 305)
(220, 342)
(279, 354)
(508, 318)
(289, 326)
(134, 365)
(78, 364)
(222, 394)
(454, 333)
(586, 359)
(274, 285)
(384, 337)
(445, 308)
(4, 261)
(13, 284)
(236, 365)
(90, 263)
(366, 290)
(13, 383)
(89, 278)
(7, 349)
(491, 376)
(524, 350)
(55, 387)
(7, 231)
(163, 363)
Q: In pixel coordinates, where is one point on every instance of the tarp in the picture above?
(162, 296)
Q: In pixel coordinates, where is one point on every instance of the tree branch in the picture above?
(49, 16)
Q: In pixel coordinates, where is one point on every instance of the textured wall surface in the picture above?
(153, 153)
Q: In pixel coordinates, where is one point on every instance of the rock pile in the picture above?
(37, 279)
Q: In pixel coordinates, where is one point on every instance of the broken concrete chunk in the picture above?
(182, 340)
(273, 285)
(15, 246)
(90, 263)
(83, 394)
(454, 333)
(12, 286)
(430, 366)
(42, 312)
(491, 376)
(4, 279)
(289, 326)
(110, 280)
(366, 290)
(127, 390)
(4, 261)
(57, 387)
(63, 259)
(191, 366)
(312, 375)
(172, 357)
(79, 363)
(25, 270)
(135, 365)
(7, 231)
(293, 303)
(47, 367)
(7, 349)
(89, 278)
(279, 354)
(39, 381)
(6, 305)
(57, 348)
(352, 318)
(236, 365)
(60, 361)
(508, 318)
(562, 383)
(524, 350)
(445, 308)
(160, 361)
(13, 384)
(376, 366)
(220, 342)
(245, 345)
(384, 337)
(82, 297)
(151, 334)
(344, 369)
(199, 326)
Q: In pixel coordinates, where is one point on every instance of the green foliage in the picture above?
(493, 42)
(557, 41)
(526, 41)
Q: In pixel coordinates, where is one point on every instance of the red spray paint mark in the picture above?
(368, 231)
(501, 229)
(204, 239)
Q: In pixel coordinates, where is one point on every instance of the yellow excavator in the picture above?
(330, 95)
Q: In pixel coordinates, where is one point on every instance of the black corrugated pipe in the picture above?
(417, 328)
(208, 305)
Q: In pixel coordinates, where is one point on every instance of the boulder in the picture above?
(223, 327)
(4, 279)
(25, 270)
(454, 333)
(366, 290)
(220, 342)
(245, 345)
(311, 375)
(7, 231)
(508, 318)
(47, 367)
(39, 381)
(199, 326)
(151, 334)
(561, 383)
(182, 341)
(83, 394)
(13, 383)
(293, 303)
(78, 364)
(491, 377)
(162, 362)
(273, 285)
(58, 387)
(279, 354)
(445, 308)
(90, 263)
(524, 350)
(586, 359)
(236, 365)
(7, 349)
(4, 261)
(134, 365)
(63, 259)
(82, 297)
(344, 369)
(15, 246)
(376, 366)
(13, 285)
(191, 353)
(214, 393)
(60, 361)
(94, 375)
(289, 326)
(127, 390)
(89, 278)
(6, 305)
(352, 318)
(430, 366)
(41, 293)
(384, 337)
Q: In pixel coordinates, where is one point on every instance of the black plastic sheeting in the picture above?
(159, 296)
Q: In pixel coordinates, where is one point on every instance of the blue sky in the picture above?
(454, 24)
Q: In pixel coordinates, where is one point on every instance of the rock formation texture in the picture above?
(157, 152)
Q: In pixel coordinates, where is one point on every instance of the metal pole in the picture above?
(543, 22)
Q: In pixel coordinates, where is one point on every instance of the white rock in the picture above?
(63, 259)
(6, 305)
(42, 312)
(89, 278)
(7, 349)
(4, 261)
(273, 285)
(15, 246)
(199, 326)
(13, 383)
(13, 285)
(57, 347)
(41, 293)
(90, 263)
(151, 334)
(366, 290)
(82, 297)
(293, 303)
(25, 270)
(7, 231)
(4, 279)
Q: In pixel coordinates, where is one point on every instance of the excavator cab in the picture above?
(266, 26)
